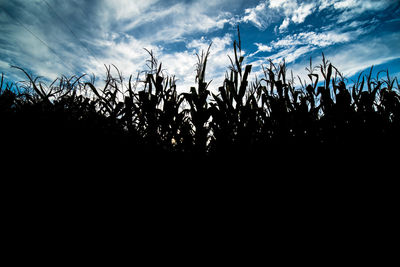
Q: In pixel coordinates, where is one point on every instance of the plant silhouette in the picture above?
(146, 119)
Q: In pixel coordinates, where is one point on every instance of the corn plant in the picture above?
(197, 99)
(230, 111)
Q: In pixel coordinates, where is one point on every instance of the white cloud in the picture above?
(291, 54)
(356, 56)
(267, 12)
(345, 4)
(351, 9)
(261, 48)
(319, 39)
(284, 25)
(277, 3)
(325, 38)
(323, 4)
(287, 7)
(359, 6)
(361, 55)
(302, 12)
(169, 23)
(261, 16)
(150, 16)
(125, 9)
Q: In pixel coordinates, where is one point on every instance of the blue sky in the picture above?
(53, 37)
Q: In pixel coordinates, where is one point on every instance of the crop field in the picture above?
(144, 117)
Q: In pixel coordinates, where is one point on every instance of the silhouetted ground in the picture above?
(316, 163)
(321, 156)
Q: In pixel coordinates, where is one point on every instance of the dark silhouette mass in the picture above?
(144, 121)
(79, 161)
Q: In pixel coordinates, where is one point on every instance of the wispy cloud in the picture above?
(295, 11)
(268, 12)
(302, 12)
(293, 46)
(352, 9)
(356, 56)
(168, 22)
(365, 53)
(261, 15)
(261, 48)
(284, 25)
(319, 39)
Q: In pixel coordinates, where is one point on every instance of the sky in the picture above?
(50, 38)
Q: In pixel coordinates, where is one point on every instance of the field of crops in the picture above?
(145, 117)
(321, 156)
